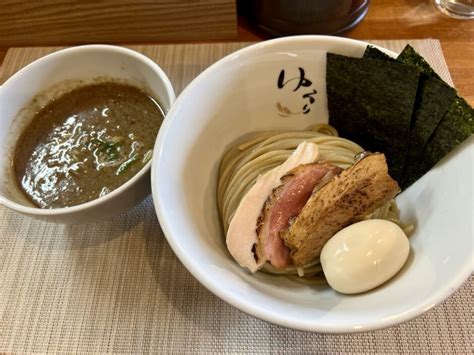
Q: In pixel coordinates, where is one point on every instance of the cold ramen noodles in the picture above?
(283, 195)
(86, 143)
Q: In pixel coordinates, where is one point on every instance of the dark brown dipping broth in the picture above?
(86, 143)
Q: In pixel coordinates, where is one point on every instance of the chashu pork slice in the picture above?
(357, 191)
(241, 237)
(284, 204)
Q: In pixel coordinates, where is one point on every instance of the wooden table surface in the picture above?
(405, 19)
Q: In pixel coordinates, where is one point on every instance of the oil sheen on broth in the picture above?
(86, 143)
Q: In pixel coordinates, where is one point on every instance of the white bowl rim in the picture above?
(111, 48)
(213, 285)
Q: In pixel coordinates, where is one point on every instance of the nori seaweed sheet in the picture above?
(456, 126)
(440, 120)
(370, 102)
(447, 132)
(374, 53)
(410, 57)
(433, 101)
(434, 95)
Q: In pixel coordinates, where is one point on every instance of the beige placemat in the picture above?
(117, 286)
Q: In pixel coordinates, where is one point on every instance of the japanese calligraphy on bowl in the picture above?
(300, 86)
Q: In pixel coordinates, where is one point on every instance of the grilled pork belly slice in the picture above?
(357, 191)
(284, 204)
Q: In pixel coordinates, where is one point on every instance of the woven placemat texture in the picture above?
(116, 286)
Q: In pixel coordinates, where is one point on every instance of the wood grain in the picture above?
(390, 19)
(53, 22)
(386, 19)
(3, 52)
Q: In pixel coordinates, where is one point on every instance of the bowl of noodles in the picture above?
(232, 128)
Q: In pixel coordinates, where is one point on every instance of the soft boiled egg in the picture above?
(364, 255)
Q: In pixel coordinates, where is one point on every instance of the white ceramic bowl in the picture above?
(238, 95)
(79, 63)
